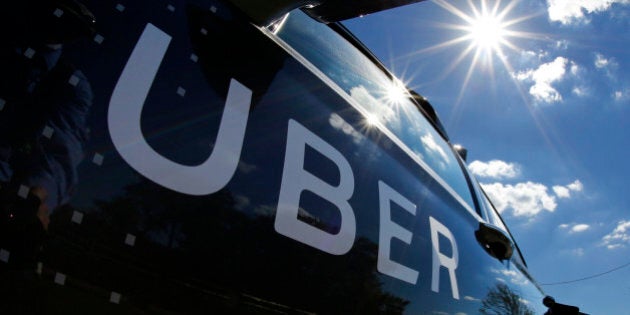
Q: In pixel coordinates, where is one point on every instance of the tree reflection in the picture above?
(501, 300)
(196, 253)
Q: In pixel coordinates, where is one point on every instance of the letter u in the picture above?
(125, 110)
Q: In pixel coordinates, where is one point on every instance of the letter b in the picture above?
(296, 179)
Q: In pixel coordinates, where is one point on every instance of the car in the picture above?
(232, 157)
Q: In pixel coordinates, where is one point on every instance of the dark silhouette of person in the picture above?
(44, 103)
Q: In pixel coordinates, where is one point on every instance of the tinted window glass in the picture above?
(492, 216)
(385, 99)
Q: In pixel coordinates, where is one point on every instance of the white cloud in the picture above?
(621, 95)
(579, 228)
(470, 298)
(528, 199)
(579, 252)
(562, 44)
(607, 65)
(340, 124)
(576, 186)
(575, 68)
(544, 76)
(434, 149)
(494, 169)
(619, 237)
(561, 191)
(513, 276)
(565, 191)
(575, 228)
(580, 91)
(618, 95)
(528, 54)
(525, 199)
(601, 61)
(570, 11)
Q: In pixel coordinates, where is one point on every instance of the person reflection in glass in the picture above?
(44, 103)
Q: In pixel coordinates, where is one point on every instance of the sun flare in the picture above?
(395, 93)
(487, 32)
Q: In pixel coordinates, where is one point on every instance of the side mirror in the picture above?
(263, 13)
(560, 309)
(494, 241)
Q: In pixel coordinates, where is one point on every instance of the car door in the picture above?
(232, 168)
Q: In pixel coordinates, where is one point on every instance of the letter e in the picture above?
(388, 230)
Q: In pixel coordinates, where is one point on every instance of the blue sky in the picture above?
(539, 92)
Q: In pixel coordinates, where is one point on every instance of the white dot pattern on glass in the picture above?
(58, 12)
(171, 8)
(48, 132)
(4, 255)
(29, 53)
(120, 7)
(98, 38)
(213, 9)
(194, 57)
(60, 278)
(115, 297)
(23, 191)
(74, 80)
(98, 159)
(130, 239)
(2, 102)
(77, 217)
(204, 31)
(181, 91)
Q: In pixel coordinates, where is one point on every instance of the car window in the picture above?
(384, 99)
(492, 215)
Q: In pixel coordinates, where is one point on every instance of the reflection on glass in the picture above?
(45, 104)
(501, 300)
(395, 93)
(383, 97)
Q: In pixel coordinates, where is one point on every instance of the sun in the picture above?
(485, 29)
(487, 32)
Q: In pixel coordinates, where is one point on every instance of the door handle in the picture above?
(494, 241)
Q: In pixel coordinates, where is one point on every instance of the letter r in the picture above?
(440, 259)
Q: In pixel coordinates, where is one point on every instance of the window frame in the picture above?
(271, 32)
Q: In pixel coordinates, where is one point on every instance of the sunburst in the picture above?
(486, 31)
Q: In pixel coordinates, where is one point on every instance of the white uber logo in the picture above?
(125, 110)
(389, 229)
(296, 179)
(124, 117)
(441, 260)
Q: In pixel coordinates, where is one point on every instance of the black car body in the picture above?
(227, 163)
